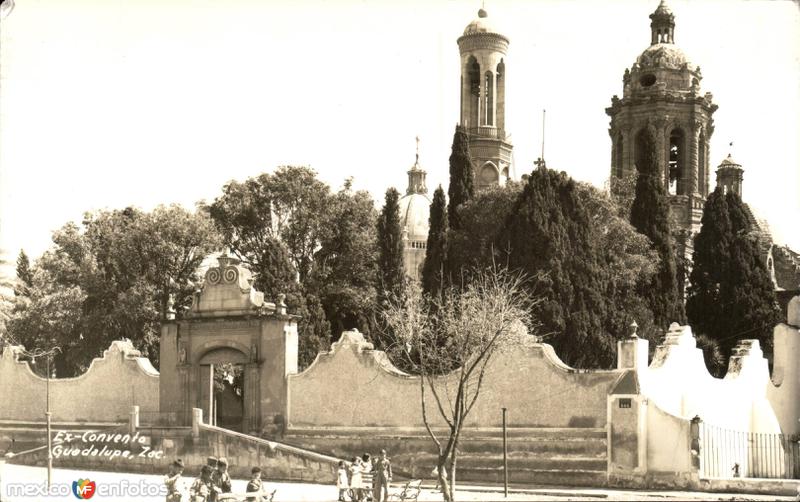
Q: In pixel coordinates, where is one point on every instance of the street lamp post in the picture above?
(48, 414)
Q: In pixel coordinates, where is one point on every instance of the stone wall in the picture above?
(105, 393)
(356, 386)
(784, 391)
(152, 449)
(679, 383)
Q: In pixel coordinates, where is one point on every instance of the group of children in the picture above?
(364, 479)
(213, 484)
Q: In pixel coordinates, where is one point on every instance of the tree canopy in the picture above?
(115, 276)
(730, 296)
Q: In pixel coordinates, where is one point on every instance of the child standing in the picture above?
(366, 475)
(341, 480)
(356, 488)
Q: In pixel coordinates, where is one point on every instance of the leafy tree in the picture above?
(114, 277)
(290, 205)
(24, 275)
(390, 249)
(460, 329)
(462, 176)
(628, 265)
(623, 191)
(650, 216)
(472, 245)
(345, 264)
(433, 270)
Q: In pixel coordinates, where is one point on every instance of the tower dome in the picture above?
(414, 211)
(481, 24)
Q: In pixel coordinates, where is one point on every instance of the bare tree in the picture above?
(449, 341)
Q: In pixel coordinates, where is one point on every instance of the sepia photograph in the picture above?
(384, 250)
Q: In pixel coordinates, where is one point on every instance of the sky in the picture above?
(112, 103)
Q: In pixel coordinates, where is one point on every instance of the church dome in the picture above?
(480, 25)
(414, 211)
(663, 56)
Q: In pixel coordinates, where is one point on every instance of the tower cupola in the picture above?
(662, 25)
(416, 177)
(730, 175)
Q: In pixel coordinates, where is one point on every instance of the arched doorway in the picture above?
(221, 381)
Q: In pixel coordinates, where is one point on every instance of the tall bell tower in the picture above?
(483, 100)
(661, 98)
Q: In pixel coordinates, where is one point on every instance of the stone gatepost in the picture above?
(627, 415)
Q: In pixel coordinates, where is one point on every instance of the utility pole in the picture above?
(505, 456)
(540, 163)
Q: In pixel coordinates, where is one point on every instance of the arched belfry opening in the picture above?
(229, 355)
(488, 99)
(474, 85)
(644, 153)
(619, 166)
(677, 163)
(489, 175)
(702, 166)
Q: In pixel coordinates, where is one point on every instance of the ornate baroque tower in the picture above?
(661, 96)
(483, 94)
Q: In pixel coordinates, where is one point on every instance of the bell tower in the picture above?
(483, 99)
(662, 102)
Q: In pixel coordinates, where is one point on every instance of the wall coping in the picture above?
(122, 347)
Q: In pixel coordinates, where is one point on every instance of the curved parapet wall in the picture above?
(679, 383)
(784, 391)
(105, 393)
(354, 385)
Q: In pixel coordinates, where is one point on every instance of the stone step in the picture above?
(521, 433)
(514, 461)
(587, 447)
(560, 477)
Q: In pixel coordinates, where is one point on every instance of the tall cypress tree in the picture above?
(24, 274)
(462, 176)
(433, 275)
(548, 236)
(731, 296)
(650, 216)
(710, 259)
(390, 246)
(750, 306)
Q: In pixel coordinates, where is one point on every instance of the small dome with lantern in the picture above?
(415, 204)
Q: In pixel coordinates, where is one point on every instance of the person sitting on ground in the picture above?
(203, 486)
(172, 481)
(356, 488)
(367, 474)
(213, 463)
(341, 480)
(254, 486)
(223, 479)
